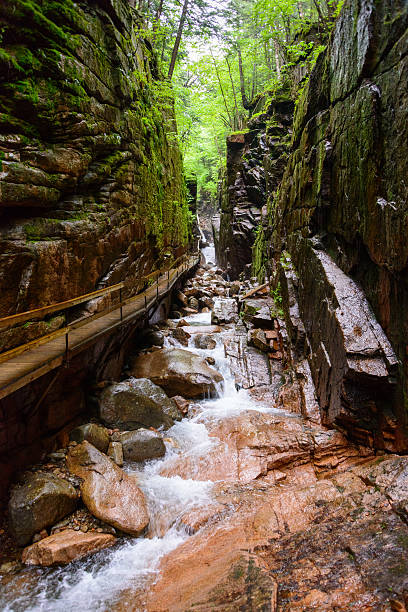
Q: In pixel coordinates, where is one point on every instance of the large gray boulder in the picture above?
(141, 445)
(107, 491)
(135, 403)
(178, 371)
(42, 500)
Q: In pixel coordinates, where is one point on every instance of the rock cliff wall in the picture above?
(256, 160)
(91, 184)
(91, 191)
(335, 236)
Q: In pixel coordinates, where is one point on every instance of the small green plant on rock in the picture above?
(277, 298)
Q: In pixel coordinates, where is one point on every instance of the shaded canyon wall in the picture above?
(91, 191)
(91, 187)
(333, 235)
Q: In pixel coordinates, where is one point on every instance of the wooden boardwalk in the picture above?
(36, 360)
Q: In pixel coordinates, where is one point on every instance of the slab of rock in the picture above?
(142, 445)
(204, 341)
(193, 303)
(202, 329)
(258, 339)
(182, 404)
(95, 434)
(136, 403)
(178, 371)
(41, 501)
(107, 491)
(181, 297)
(115, 452)
(225, 311)
(66, 546)
(250, 367)
(260, 312)
(151, 337)
(181, 335)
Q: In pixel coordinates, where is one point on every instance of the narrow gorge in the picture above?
(203, 345)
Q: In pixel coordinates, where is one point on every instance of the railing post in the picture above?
(121, 307)
(66, 350)
(145, 301)
(168, 278)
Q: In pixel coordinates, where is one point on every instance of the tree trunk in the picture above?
(178, 38)
(277, 60)
(231, 123)
(254, 76)
(267, 57)
(237, 117)
(245, 102)
(319, 12)
(157, 16)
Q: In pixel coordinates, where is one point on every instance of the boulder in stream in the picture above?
(65, 546)
(137, 402)
(42, 500)
(204, 341)
(141, 445)
(178, 371)
(107, 491)
(95, 434)
(225, 311)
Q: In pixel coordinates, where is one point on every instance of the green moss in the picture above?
(239, 132)
(39, 56)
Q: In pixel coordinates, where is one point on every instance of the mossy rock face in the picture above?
(256, 160)
(343, 188)
(91, 171)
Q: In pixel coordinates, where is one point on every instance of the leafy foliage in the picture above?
(231, 58)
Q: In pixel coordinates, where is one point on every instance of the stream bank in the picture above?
(254, 505)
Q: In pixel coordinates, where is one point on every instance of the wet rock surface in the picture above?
(109, 493)
(94, 434)
(141, 445)
(295, 515)
(332, 230)
(224, 311)
(66, 546)
(86, 159)
(39, 502)
(137, 402)
(179, 372)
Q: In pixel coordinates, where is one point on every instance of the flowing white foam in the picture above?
(209, 254)
(97, 582)
(90, 584)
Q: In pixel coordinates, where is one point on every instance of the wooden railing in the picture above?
(40, 313)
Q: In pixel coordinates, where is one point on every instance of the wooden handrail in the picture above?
(157, 273)
(22, 348)
(39, 313)
(18, 350)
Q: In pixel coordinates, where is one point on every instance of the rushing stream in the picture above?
(97, 582)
